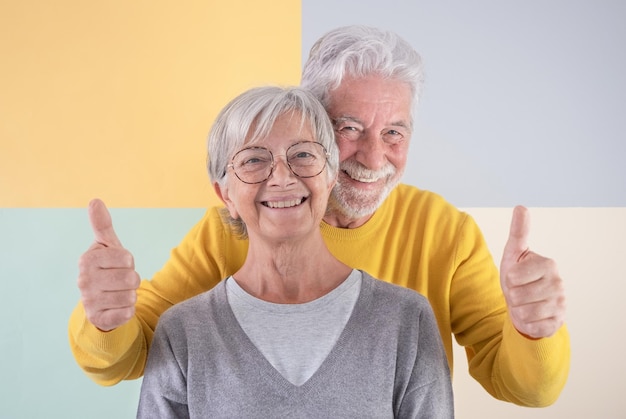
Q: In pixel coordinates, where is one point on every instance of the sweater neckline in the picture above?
(254, 356)
(370, 227)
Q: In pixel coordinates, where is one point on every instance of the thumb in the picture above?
(517, 244)
(102, 225)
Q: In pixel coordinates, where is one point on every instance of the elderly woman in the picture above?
(294, 332)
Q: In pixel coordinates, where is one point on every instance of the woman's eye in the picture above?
(253, 161)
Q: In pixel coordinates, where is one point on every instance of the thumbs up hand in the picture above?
(531, 284)
(107, 279)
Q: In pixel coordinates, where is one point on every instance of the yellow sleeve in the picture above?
(541, 365)
(508, 365)
(196, 265)
(107, 357)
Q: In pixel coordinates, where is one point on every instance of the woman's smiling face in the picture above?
(284, 206)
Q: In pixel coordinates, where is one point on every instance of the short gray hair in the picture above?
(252, 114)
(361, 51)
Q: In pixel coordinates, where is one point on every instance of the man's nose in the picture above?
(371, 151)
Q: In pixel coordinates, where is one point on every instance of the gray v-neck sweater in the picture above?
(388, 362)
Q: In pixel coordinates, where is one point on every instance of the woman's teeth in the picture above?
(284, 204)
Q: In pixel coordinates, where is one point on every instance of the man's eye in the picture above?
(349, 132)
(392, 136)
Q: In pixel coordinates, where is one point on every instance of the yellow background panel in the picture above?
(113, 99)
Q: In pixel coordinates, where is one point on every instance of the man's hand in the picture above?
(107, 279)
(531, 284)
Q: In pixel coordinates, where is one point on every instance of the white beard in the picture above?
(356, 203)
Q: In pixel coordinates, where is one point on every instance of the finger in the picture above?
(108, 280)
(101, 224)
(109, 300)
(517, 244)
(537, 311)
(532, 268)
(539, 319)
(540, 329)
(99, 257)
(107, 320)
(520, 293)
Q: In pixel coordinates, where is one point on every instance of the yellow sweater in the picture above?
(415, 239)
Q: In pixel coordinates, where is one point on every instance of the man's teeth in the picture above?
(364, 180)
(360, 178)
(284, 204)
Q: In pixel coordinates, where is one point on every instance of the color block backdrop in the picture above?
(523, 103)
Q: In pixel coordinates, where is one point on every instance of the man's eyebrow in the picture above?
(348, 118)
(402, 124)
(345, 118)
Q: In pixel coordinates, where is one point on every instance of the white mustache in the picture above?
(361, 173)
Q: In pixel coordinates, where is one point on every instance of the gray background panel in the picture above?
(524, 102)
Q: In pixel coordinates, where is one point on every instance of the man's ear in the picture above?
(222, 193)
(333, 182)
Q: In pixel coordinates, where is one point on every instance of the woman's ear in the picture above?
(222, 193)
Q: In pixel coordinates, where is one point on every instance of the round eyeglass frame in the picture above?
(273, 165)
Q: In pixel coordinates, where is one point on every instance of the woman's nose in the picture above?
(281, 172)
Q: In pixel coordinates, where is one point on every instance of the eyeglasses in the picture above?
(254, 164)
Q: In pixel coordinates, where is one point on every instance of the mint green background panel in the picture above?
(39, 254)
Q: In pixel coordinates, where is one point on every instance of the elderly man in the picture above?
(511, 322)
